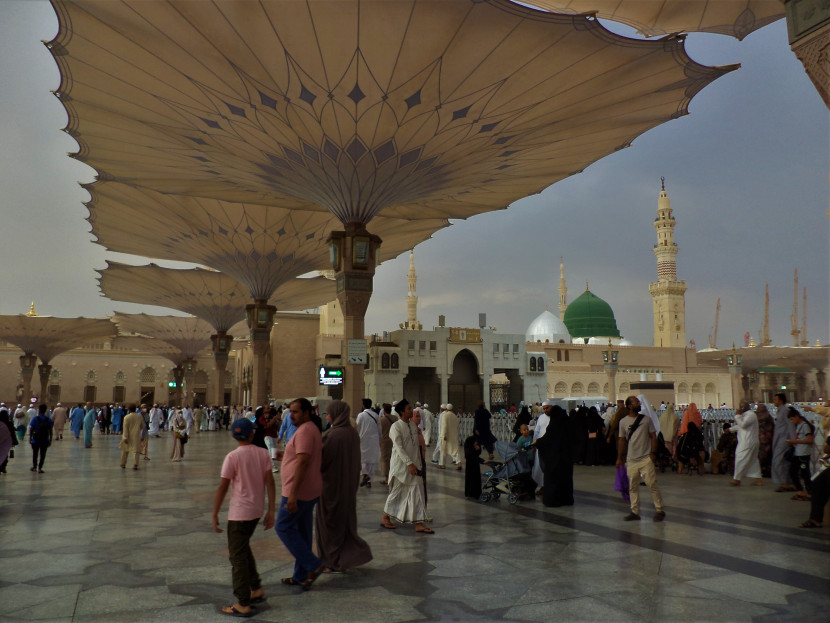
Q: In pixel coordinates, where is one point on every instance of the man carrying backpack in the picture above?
(40, 436)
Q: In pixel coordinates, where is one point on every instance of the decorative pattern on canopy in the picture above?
(414, 109)
(209, 295)
(47, 337)
(262, 247)
(737, 18)
(190, 336)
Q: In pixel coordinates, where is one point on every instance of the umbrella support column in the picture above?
(353, 255)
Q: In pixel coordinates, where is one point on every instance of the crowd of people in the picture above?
(323, 464)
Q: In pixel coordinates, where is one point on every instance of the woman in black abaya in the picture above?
(556, 449)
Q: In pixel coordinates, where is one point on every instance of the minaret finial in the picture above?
(32, 311)
(662, 183)
(586, 285)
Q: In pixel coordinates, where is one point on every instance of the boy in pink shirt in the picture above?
(248, 469)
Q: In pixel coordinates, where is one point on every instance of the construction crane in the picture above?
(713, 337)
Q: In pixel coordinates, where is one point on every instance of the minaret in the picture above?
(411, 298)
(794, 318)
(765, 341)
(804, 341)
(668, 293)
(563, 289)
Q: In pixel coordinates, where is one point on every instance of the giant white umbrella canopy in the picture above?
(186, 334)
(207, 294)
(261, 247)
(737, 18)
(45, 337)
(418, 108)
(415, 109)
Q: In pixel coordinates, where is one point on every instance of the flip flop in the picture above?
(810, 523)
(259, 600)
(290, 581)
(231, 611)
(425, 530)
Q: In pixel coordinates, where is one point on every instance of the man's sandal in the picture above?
(811, 523)
(233, 612)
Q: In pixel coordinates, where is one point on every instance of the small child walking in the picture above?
(247, 469)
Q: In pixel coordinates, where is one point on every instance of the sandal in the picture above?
(312, 575)
(259, 598)
(385, 522)
(802, 497)
(425, 530)
(811, 523)
(290, 581)
(233, 612)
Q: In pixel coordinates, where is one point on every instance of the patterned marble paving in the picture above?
(87, 541)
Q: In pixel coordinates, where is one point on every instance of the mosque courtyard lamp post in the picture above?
(609, 358)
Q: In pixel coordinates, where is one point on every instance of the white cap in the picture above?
(548, 403)
(449, 406)
(426, 406)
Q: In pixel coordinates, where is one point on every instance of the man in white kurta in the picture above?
(406, 501)
(155, 421)
(448, 438)
(426, 423)
(368, 427)
(539, 431)
(746, 454)
(436, 453)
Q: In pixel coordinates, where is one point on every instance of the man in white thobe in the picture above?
(539, 430)
(436, 453)
(448, 438)
(187, 414)
(406, 501)
(426, 423)
(746, 454)
(155, 421)
(368, 427)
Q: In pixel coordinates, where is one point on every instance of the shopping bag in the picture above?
(621, 483)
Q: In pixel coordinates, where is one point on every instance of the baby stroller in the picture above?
(510, 477)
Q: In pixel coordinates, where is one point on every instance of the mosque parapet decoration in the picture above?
(465, 336)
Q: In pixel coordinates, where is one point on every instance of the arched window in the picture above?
(561, 389)
(533, 364)
(558, 355)
(593, 389)
(567, 355)
(394, 361)
(384, 361)
(540, 364)
(577, 389)
(147, 376)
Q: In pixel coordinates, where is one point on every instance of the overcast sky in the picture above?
(746, 171)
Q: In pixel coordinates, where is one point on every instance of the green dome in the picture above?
(590, 316)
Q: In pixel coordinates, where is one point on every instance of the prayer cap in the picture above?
(449, 406)
(548, 403)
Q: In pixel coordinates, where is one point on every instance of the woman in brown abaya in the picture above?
(338, 543)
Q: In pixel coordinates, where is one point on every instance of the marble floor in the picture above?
(87, 541)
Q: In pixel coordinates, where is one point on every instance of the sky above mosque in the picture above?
(746, 172)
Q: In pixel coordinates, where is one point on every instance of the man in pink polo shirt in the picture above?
(248, 470)
(302, 484)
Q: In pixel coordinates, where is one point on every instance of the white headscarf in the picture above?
(646, 408)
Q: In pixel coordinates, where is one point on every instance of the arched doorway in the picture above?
(464, 386)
